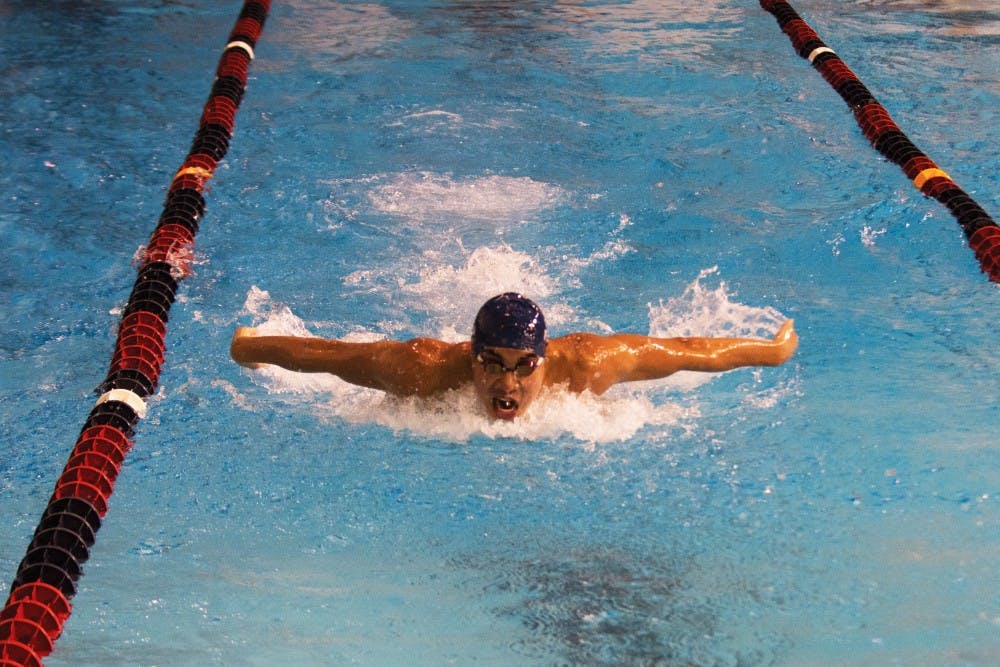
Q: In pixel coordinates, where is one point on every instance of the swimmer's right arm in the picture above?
(420, 366)
(243, 350)
(352, 362)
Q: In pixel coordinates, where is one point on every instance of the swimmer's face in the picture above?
(507, 380)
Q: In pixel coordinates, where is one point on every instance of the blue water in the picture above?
(634, 166)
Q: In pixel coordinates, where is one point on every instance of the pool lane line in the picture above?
(39, 602)
(885, 136)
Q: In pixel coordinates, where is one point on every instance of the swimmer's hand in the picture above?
(784, 343)
(240, 348)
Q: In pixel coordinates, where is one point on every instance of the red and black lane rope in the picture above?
(981, 231)
(39, 602)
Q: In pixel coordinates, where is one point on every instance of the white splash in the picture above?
(457, 415)
(707, 311)
(710, 312)
(485, 273)
(278, 318)
(612, 249)
(273, 318)
(869, 235)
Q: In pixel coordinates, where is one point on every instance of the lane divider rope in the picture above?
(39, 602)
(982, 232)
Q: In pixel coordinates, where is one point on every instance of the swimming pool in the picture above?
(643, 166)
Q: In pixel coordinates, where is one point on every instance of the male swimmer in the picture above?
(509, 360)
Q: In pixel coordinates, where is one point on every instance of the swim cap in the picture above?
(510, 320)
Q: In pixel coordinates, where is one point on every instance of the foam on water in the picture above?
(485, 273)
(429, 199)
(460, 227)
(711, 311)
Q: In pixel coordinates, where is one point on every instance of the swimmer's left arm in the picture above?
(630, 357)
(658, 357)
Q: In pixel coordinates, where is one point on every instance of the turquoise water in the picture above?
(643, 166)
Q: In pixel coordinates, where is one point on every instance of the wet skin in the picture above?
(579, 361)
(503, 392)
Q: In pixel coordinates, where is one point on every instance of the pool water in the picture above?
(643, 166)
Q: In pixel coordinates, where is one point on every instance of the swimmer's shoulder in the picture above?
(579, 347)
(441, 365)
(438, 351)
(588, 361)
(572, 359)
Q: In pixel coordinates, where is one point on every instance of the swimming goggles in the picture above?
(524, 367)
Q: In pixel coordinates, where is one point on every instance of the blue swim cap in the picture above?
(510, 320)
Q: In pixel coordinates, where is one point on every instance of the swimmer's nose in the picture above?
(508, 380)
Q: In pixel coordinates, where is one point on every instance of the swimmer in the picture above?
(509, 359)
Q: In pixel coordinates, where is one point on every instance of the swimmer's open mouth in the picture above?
(504, 407)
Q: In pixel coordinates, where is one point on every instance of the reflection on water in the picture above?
(645, 30)
(325, 35)
(630, 31)
(960, 18)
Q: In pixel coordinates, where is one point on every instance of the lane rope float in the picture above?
(982, 232)
(39, 602)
